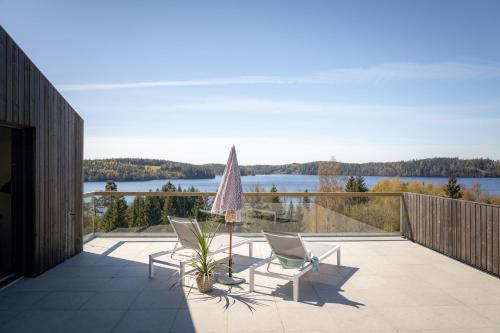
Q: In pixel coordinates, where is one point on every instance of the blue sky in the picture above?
(286, 81)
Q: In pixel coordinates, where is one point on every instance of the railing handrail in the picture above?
(451, 199)
(248, 194)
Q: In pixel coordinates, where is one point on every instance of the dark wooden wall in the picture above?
(467, 231)
(29, 100)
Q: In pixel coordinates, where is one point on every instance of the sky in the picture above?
(285, 81)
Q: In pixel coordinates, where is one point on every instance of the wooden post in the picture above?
(402, 225)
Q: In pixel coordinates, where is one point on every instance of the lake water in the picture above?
(284, 183)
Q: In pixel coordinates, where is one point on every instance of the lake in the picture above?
(285, 183)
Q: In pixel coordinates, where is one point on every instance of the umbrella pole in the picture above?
(230, 249)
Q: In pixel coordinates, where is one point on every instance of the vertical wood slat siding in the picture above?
(28, 99)
(467, 231)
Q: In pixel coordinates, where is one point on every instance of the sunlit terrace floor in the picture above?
(383, 285)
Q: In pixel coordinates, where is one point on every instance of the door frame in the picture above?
(23, 200)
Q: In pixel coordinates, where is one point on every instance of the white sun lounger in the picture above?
(187, 240)
(291, 246)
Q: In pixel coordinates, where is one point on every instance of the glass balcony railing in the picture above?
(339, 213)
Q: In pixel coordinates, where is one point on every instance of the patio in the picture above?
(385, 284)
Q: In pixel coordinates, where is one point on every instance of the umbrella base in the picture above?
(229, 280)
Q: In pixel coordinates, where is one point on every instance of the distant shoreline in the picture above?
(139, 169)
(277, 174)
(284, 183)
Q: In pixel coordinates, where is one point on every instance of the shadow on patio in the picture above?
(109, 290)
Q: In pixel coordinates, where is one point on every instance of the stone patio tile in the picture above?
(200, 319)
(409, 317)
(431, 296)
(18, 300)
(307, 318)
(63, 300)
(73, 271)
(369, 331)
(461, 317)
(474, 295)
(386, 297)
(105, 300)
(95, 321)
(146, 321)
(159, 299)
(453, 330)
(256, 319)
(133, 270)
(435, 317)
(120, 283)
(39, 321)
(375, 290)
(361, 318)
(492, 312)
(6, 316)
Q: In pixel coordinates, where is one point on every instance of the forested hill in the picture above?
(124, 169)
(128, 169)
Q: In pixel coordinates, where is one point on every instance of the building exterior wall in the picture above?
(28, 101)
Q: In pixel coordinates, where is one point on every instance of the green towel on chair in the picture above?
(288, 263)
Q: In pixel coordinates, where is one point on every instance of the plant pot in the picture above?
(205, 283)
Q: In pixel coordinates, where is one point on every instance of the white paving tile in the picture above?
(384, 285)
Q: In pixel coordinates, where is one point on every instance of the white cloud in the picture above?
(377, 73)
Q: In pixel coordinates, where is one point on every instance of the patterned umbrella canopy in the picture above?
(229, 198)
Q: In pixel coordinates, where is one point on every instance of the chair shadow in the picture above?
(319, 288)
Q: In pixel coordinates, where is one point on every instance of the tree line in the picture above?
(114, 212)
(130, 169)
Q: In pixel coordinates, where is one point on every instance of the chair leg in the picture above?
(182, 272)
(251, 279)
(151, 268)
(338, 256)
(296, 289)
(250, 249)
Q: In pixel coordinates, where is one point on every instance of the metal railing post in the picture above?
(401, 215)
(94, 216)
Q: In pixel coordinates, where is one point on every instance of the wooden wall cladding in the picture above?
(467, 231)
(28, 99)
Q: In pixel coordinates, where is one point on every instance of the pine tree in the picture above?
(137, 214)
(306, 199)
(169, 204)
(115, 215)
(350, 186)
(361, 184)
(356, 184)
(276, 199)
(153, 210)
(453, 189)
(110, 186)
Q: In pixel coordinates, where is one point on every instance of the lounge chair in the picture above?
(295, 257)
(187, 240)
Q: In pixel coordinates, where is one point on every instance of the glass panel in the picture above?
(305, 214)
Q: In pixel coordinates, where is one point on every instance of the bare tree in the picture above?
(330, 176)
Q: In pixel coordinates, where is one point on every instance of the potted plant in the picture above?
(203, 263)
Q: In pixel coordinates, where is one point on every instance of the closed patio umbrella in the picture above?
(229, 200)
